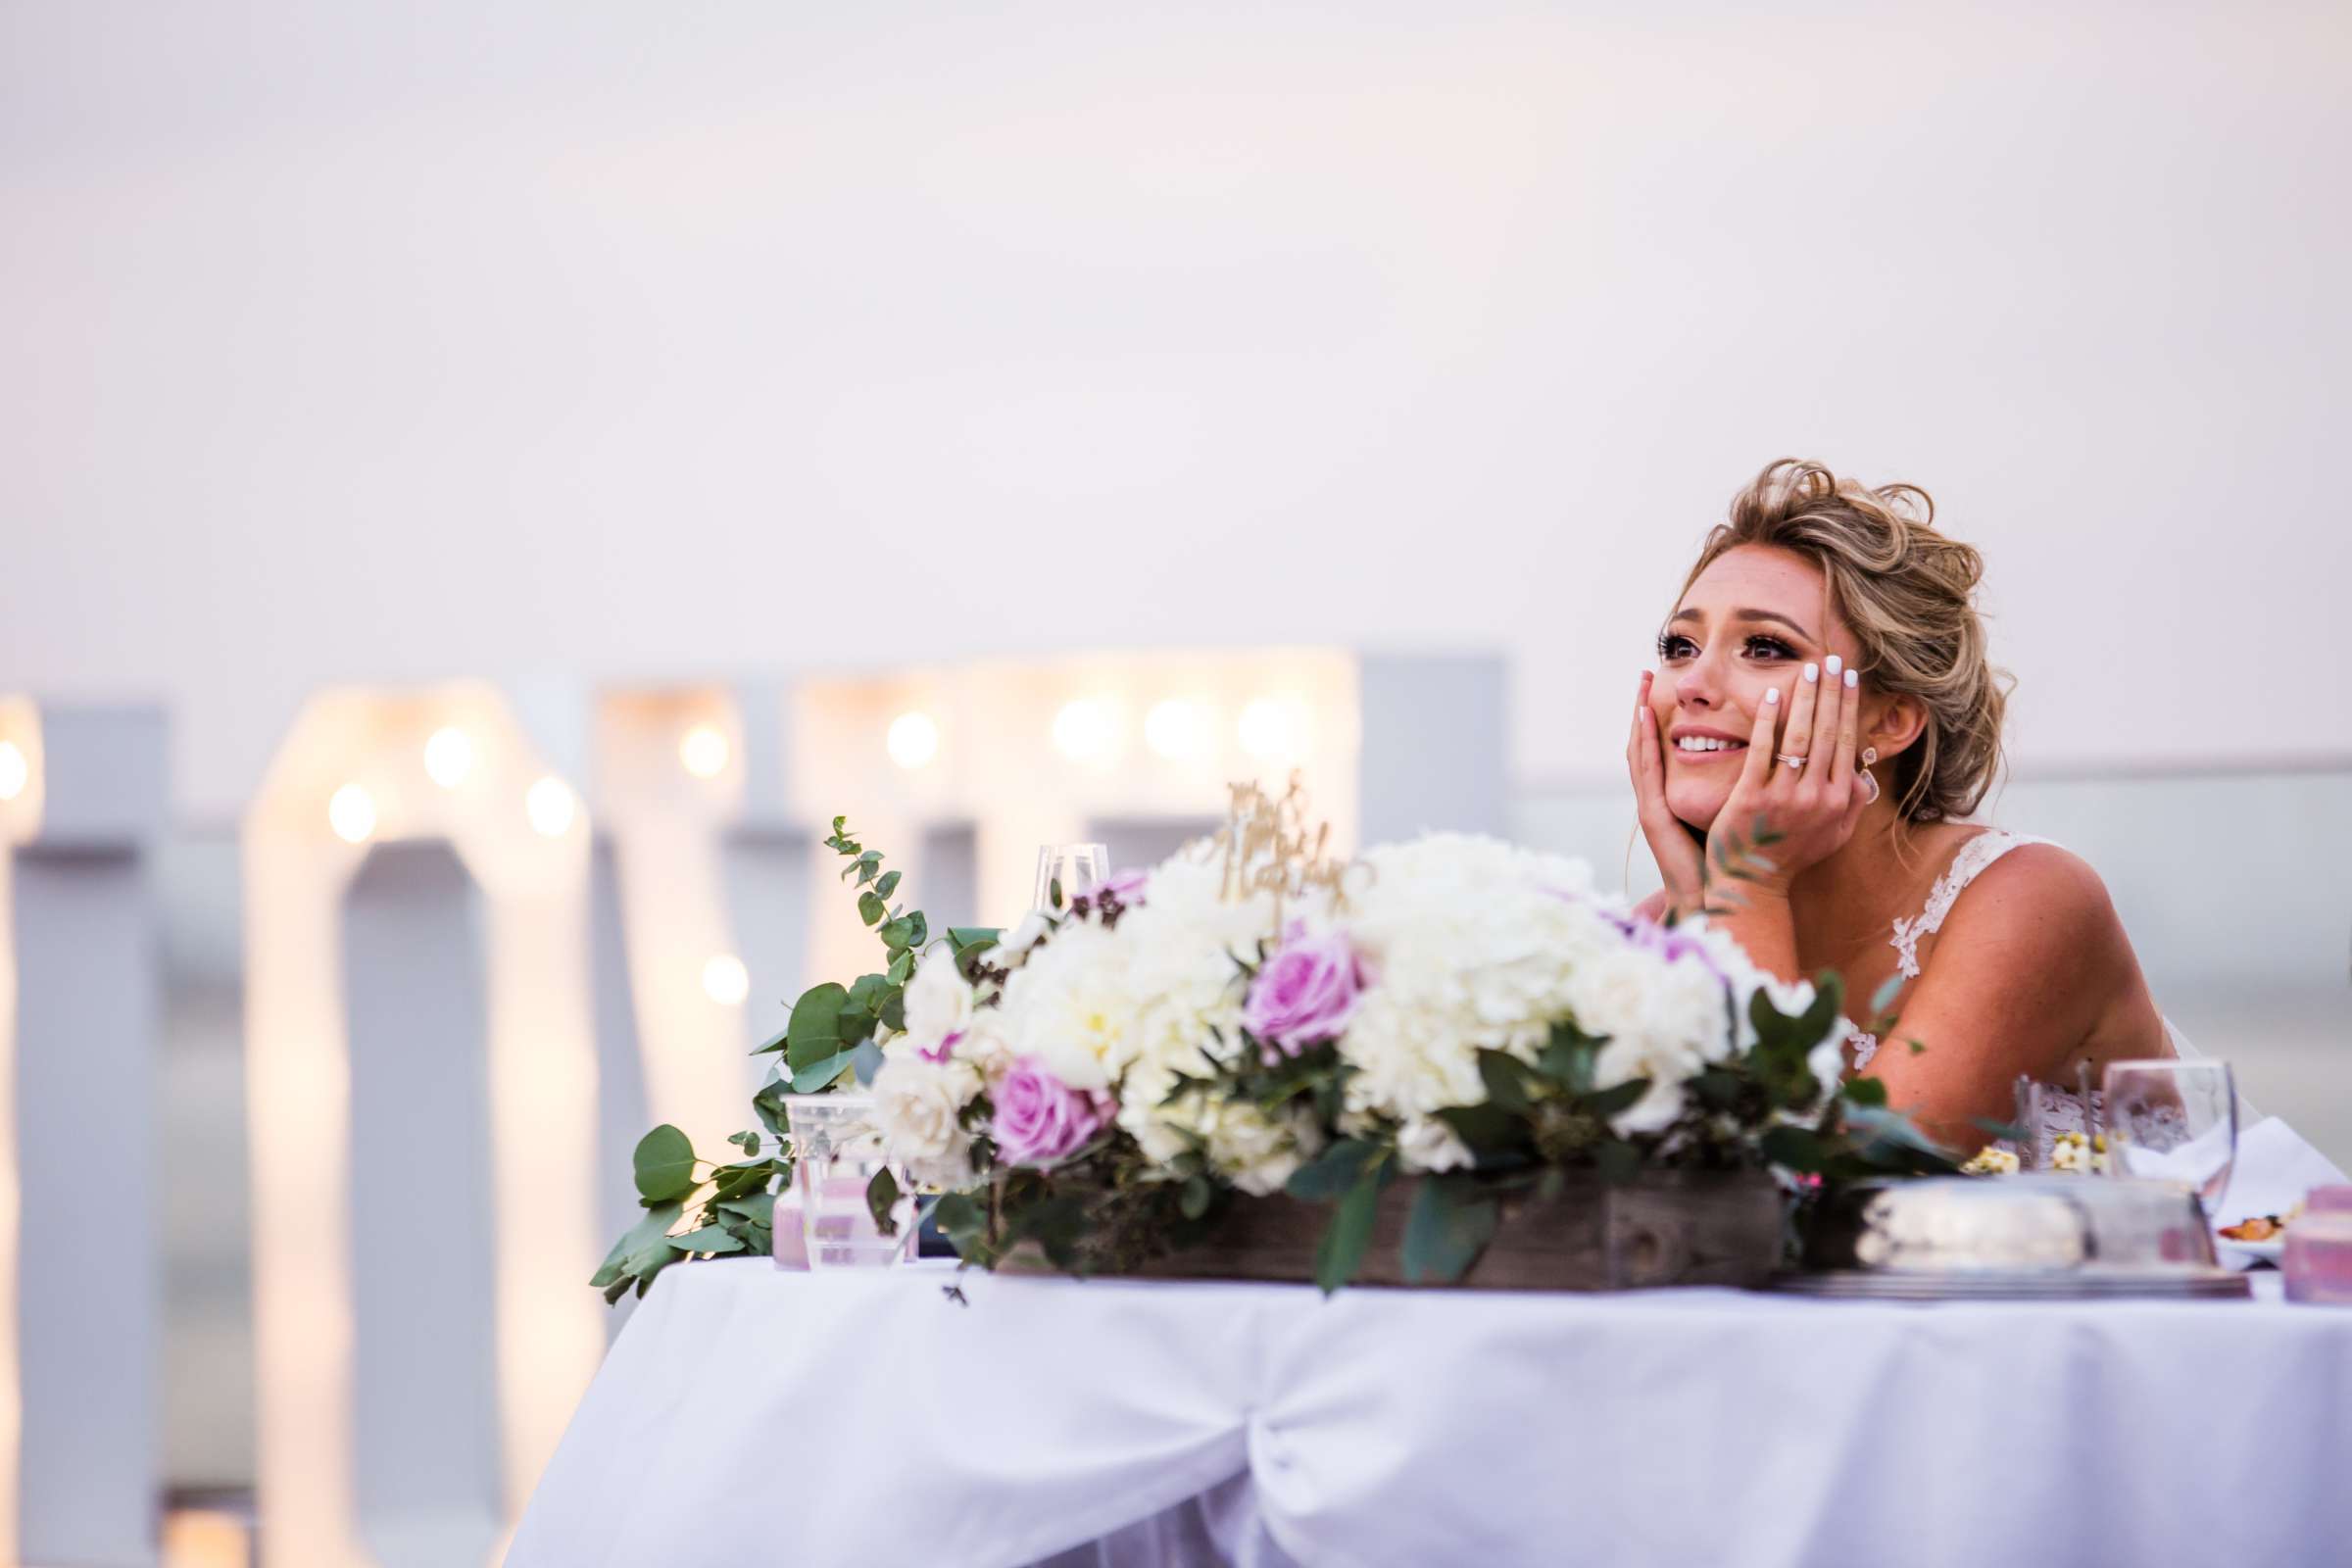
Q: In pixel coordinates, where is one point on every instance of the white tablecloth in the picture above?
(747, 1417)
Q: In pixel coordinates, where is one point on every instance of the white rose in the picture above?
(917, 1106)
(937, 1004)
(1012, 945)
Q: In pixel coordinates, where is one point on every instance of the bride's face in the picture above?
(1753, 619)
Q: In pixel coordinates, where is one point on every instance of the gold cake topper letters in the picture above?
(1269, 846)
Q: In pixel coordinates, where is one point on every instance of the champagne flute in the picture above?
(1065, 871)
(2173, 1121)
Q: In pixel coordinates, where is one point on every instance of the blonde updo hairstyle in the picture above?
(1908, 595)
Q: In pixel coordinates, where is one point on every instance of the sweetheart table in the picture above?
(751, 1416)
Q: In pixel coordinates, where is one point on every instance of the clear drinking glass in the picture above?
(836, 1152)
(2173, 1121)
(1067, 871)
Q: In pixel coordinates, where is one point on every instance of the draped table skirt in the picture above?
(750, 1416)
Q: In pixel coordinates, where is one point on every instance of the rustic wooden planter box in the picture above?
(1664, 1227)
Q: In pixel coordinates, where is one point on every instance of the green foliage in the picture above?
(881, 1198)
(1341, 1252)
(664, 1161)
(1450, 1222)
(828, 1040)
(1542, 1115)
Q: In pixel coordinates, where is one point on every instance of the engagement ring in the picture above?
(1792, 762)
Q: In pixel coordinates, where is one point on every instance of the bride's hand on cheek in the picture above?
(1670, 843)
(1806, 811)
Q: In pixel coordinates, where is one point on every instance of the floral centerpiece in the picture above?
(1250, 1017)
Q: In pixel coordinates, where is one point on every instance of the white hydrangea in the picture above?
(1426, 1143)
(1664, 1020)
(1471, 945)
(1070, 1005)
(1255, 1151)
(1745, 977)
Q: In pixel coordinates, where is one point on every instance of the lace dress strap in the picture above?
(1967, 865)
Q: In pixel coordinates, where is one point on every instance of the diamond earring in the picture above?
(1870, 755)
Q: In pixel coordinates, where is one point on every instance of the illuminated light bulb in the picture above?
(352, 814)
(1273, 730)
(1085, 730)
(914, 740)
(1177, 730)
(704, 750)
(726, 981)
(551, 806)
(14, 770)
(448, 758)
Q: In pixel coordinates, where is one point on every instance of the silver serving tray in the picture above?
(2011, 1238)
(1854, 1285)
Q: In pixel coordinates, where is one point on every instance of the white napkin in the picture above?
(2274, 1168)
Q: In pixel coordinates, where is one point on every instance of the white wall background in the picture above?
(396, 341)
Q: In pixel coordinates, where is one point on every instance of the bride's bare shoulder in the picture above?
(2037, 890)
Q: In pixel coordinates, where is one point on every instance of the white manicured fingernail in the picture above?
(1835, 664)
(1853, 680)
(1812, 673)
(1772, 695)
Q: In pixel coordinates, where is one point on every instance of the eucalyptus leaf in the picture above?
(881, 1198)
(1505, 1079)
(770, 1103)
(759, 1207)
(872, 908)
(1795, 1149)
(1616, 1160)
(1607, 1102)
(1485, 1129)
(665, 1164)
(1567, 1058)
(964, 938)
(1197, 1196)
(1334, 1172)
(653, 1268)
(815, 1032)
(1342, 1250)
(1882, 999)
(649, 1230)
(822, 1074)
(887, 885)
(710, 1239)
(866, 1060)
(960, 1217)
(1450, 1222)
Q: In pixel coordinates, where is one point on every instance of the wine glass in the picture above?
(2173, 1121)
(1067, 871)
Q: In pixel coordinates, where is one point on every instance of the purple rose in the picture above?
(1127, 886)
(1669, 944)
(1039, 1119)
(1307, 991)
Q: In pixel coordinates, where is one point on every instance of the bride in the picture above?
(1822, 717)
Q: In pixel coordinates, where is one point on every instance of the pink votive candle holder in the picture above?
(2318, 1257)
